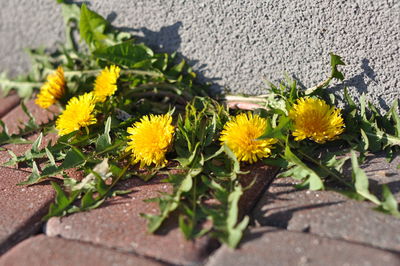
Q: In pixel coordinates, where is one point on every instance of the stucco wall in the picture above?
(237, 44)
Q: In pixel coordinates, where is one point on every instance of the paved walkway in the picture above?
(289, 226)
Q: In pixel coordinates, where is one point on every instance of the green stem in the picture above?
(319, 85)
(116, 180)
(119, 177)
(153, 85)
(178, 98)
(39, 128)
(333, 174)
(10, 83)
(112, 147)
(194, 202)
(338, 178)
(96, 71)
(123, 156)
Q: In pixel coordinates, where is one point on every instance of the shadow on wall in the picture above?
(361, 82)
(168, 40)
(358, 81)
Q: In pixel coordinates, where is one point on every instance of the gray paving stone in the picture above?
(45, 251)
(272, 246)
(21, 207)
(326, 213)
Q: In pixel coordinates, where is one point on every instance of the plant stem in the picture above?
(153, 85)
(119, 176)
(10, 83)
(338, 178)
(116, 180)
(96, 71)
(112, 147)
(319, 85)
(194, 200)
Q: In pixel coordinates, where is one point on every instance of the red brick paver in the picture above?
(8, 103)
(380, 171)
(21, 207)
(272, 246)
(43, 251)
(15, 119)
(118, 224)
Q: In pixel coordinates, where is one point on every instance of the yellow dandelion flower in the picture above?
(150, 139)
(316, 120)
(52, 90)
(106, 83)
(240, 135)
(77, 114)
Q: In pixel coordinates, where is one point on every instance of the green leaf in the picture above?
(176, 70)
(50, 170)
(236, 164)
(374, 140)
(127, 54)
(92, 27)
(71, 14)
(395, 116)
(235, 231)
(361, 180)
(31, 124)
(389, 203)
(50, 156)
(214, 154)
(167, 204)
(386, 138)
(210, 131)
(36, 144)
(61, 198)
(34, 177)
(225, 217)
(233, 211)
(101, 186)
(314, 181)
(87, 200)
(279, 132)
(279, 162)
(23, 88)
(13, 160)
(335, 62)
(89, 181)
(104, 140)
(62, 202)
(73, 158)
(121, 192)
(185, 226)
(365, 139)
(363, 103)
(349, 100)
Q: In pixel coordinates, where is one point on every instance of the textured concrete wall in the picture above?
(238, 43)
